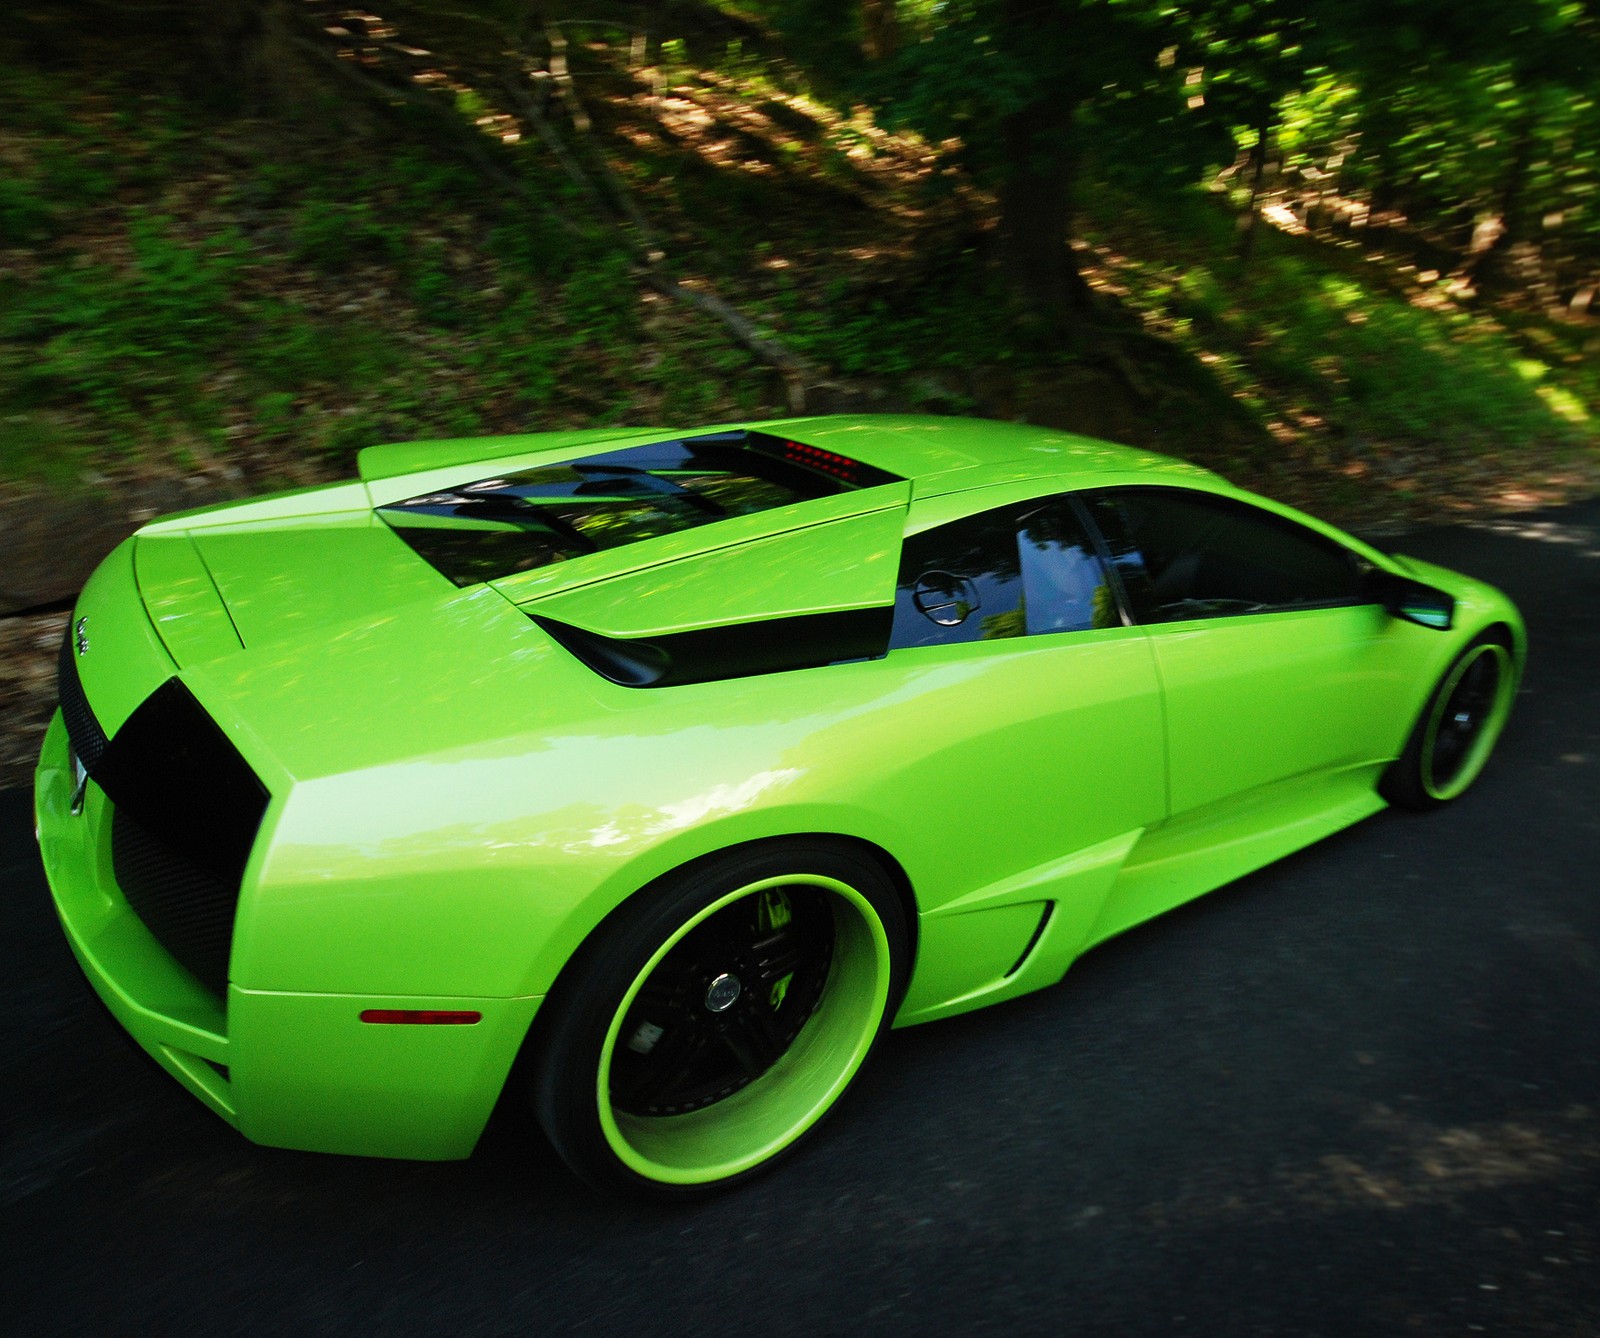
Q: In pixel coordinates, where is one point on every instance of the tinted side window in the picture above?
(1207, 557)
(1063, 581)
(1011, 572)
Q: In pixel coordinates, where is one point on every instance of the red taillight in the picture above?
(426, 1017)
(826, 462)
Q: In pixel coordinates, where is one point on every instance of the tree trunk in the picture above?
(239, 56)
(1036, 214)
(1494, 237)
(1249, 221)
(880, 28)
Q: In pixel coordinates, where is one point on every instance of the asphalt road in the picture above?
(1357, 1093)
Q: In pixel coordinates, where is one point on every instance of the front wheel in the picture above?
(709, 1027)
(1457, 730)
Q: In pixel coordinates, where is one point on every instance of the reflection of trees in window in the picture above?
(975, 547)
(737, 495)
(1063, 576)
(1013, 622)
(1103, 611)
(1031, 566)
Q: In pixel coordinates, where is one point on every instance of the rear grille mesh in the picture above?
(189, 911)
(186, 808)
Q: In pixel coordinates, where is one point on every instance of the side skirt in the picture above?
(1189, 856)
(1052, 915)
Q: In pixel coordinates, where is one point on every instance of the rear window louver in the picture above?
(495, 527)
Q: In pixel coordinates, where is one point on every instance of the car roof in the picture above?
(942, 455)
(937, 454)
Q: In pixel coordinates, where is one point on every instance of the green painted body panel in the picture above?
(845, 564)
(182, 599)
(308, 1073)
(128, 661)
(812, 518)
(418, 457)
(952, 454)
(302, 1071)
(1211, 846)
(456, 802)
(330, 499)
(1256, 702)
(279, 578)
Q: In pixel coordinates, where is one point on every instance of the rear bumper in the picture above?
(287, 1069)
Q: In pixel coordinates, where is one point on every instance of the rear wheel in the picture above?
(707, 1029)
(1457, 731)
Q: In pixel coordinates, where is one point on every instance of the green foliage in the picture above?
(519, 354)
(1386, 371)
(530, 244)
(600, 300)
(287, 349)
(436, 290)
(26, 215)
(185, 290)
(121, 338)
(334, 234)
(1379, 371)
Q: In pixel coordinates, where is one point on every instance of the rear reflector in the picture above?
(427, 1017)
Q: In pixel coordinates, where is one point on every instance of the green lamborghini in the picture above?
(651, 777)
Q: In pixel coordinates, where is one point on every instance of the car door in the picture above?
(1272, 651)
(1041, 753)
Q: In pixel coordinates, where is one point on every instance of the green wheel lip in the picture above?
(760, 1120)
(1481, 746)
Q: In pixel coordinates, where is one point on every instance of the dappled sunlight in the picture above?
(1391, 1160)
(1584, 538)
(1420, 1164)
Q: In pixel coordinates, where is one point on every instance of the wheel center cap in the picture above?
(723, 993)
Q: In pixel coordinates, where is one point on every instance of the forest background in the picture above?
(1345, 251)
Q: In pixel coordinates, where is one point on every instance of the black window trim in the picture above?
(1102, 550)
(1085, 496)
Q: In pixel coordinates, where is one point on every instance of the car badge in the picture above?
(80, 634)
(723, 993)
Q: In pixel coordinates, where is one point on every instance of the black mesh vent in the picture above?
(172, 766)
(88, 739)
(189, 911)
(186, 811)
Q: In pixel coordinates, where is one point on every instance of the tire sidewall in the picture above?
(581, 1018)
(1409, 782)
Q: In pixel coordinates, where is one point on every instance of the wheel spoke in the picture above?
(670, 997)
(655, 1075)
(724, 1004)
(780, 954)
(1463, 717)
(752, 1037)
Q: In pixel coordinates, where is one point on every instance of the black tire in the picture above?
(711, 1023)
(1457, 729)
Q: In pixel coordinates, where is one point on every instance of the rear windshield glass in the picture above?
(516, 522)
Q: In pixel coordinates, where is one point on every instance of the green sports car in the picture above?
(655, 775)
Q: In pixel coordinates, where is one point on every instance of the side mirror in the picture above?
(1415, 602)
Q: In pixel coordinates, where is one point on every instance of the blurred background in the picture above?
(1344, 252)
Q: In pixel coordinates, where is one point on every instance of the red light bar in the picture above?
(825, 462)
(427, 1017)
